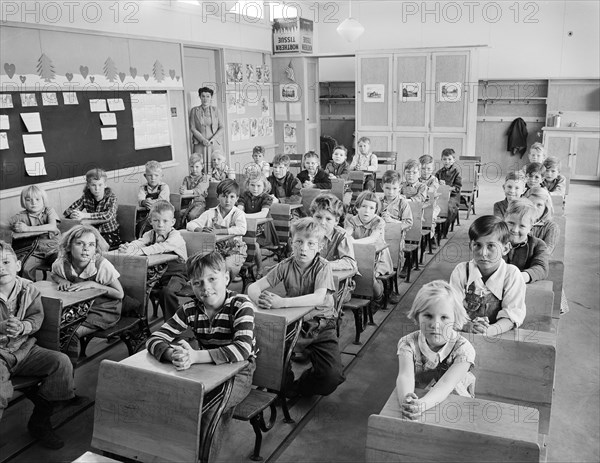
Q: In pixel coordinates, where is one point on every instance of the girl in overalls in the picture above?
(36, 216)
(154, 190)
(79, 266)
(434, 352)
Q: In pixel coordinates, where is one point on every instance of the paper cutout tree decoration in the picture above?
(45, 68)
(289, 72)
(110, 69)
(158, 71)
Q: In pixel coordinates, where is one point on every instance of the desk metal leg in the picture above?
(291, 339)
(70, 319)
(219, 401)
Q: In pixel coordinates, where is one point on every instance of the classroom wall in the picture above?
(524, 40)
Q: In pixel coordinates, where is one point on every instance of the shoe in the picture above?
(394, 298)
(39, 425)
(402, 273)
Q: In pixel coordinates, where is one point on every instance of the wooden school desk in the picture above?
(149, 411)
(277, 332)
(153, 260)
(73, 307)
(459, 429)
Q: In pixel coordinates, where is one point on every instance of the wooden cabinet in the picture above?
(577, 148)
(417, 101)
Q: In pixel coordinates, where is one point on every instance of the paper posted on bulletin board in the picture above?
(151, 124)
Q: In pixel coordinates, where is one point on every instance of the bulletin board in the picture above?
(248, 100)
(72, 138)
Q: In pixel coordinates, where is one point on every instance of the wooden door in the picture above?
(450, 76)
(374, 111)
(411, 92)
(311, 103)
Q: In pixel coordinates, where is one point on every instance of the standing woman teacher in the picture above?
(206, 125)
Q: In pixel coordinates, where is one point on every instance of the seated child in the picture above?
(492, 291)
(194, 184)
(395, 209)
(338, 166)
(553, 181)
(98, 202)
(80, 265)
(411, 188)
(544, 227)
(163, 238)
(434, 352)
(226, 219)
(308, 281)
(220, 170)
(430, 181)
(36, 216)
(529, 254)
(449, 175)
(514, 187)
(285, 188)
(537, 153)
(313, 176)
(154, 190)
(366, 161)
(222, 323)
(367, 227)
(259, 166)
(21, 315)
(256, 201)
(337, 248)
(534, 175)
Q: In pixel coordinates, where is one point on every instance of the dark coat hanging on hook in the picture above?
(517, 137)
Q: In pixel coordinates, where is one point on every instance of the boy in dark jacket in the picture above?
(313, 176)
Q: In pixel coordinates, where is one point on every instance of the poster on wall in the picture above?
(269, 128)
(266, 74)
(410, 91)
(245, 128)
(151, 125)
(264, 106)
(231, 102)
(289, 149)
(235, 130)
(289, 132)
(250, 73)
(289, 92)
(253, 127)
(450, 92)
(234, 73)
(374, 93)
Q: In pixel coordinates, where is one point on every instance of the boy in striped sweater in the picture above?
(222, 323)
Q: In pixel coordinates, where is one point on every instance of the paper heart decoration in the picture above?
(92, 79)
(69, 76)
(122, 76)
(172, 73)
(178, 78)
(23, 78)
(84, 71)
(146, 77)
(10, 70)
(133, 72)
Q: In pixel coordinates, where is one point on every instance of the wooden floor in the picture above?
(333, 428)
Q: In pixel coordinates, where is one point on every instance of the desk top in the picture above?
(208, 374)
(476, 415)
(291, 314)
(219, 238)
(341, 275)
(260, 221)
(89, 221)
(31, 234)
(69, 298)
(295, 206)
(154, 259)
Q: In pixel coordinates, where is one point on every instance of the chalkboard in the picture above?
(73, 141)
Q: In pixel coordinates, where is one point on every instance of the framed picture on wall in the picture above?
(450, 92)
(410, 91)
(289, 132)
(374, 93)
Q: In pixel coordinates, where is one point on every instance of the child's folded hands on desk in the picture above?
(20, 227)
(183, 356)
(411, 406)
(478, 325)
(269, 300)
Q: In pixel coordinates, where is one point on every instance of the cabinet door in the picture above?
(411, 75)
(586, 153)
(559, 145)
(440, 141)
(449, 104)
(379, 141)
(374, 92)
(410, 146)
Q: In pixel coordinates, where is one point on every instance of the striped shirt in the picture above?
(105, 209)
(228, 338)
